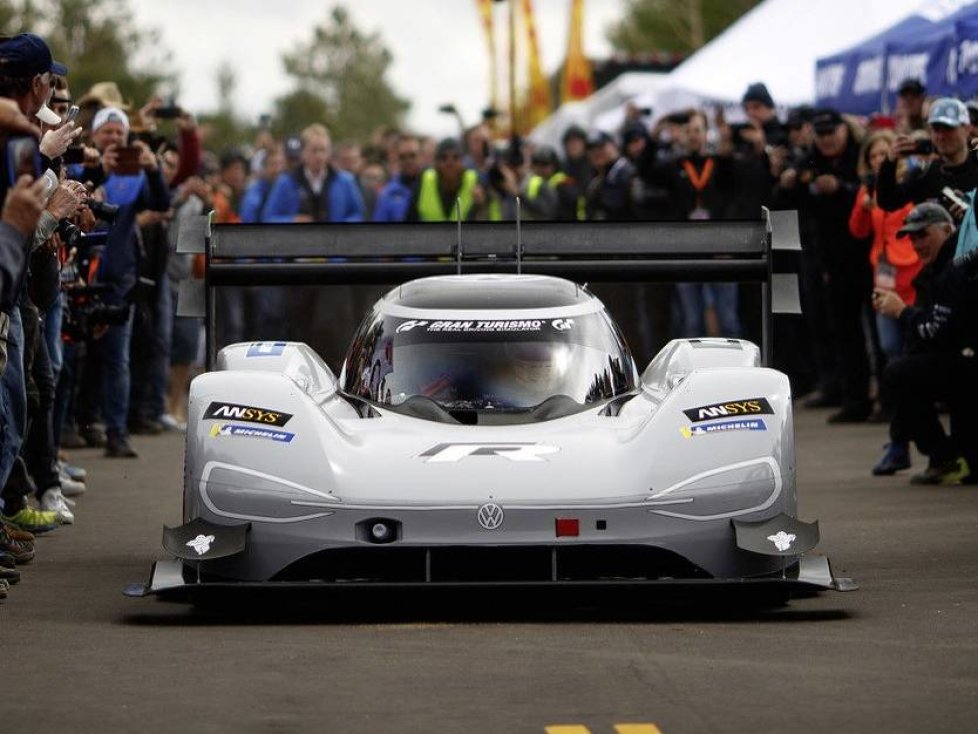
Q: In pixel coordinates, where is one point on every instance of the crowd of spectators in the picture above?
(91, 347)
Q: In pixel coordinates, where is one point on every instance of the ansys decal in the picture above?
(229, 429)
(248, 413)
(731, 409)
(707, 428)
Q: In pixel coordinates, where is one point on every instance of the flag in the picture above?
(485, 11)
(538, 106)
(578, 83)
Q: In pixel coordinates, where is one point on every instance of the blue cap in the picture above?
(948, 111)
(25, 55)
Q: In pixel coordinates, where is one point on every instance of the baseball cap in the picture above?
(826, 120)
(910, 86)
(948, 111)
(110, 114)
(25, 55)
(545, 155)
(923, 215)
(597, 138)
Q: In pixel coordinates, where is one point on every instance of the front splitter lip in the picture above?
(812, 574)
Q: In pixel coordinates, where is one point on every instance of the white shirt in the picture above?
(315, 182)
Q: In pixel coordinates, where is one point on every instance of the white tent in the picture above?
(778, 43)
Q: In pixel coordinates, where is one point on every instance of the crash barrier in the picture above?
(375, 253)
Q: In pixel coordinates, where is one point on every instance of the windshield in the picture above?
(488, 366)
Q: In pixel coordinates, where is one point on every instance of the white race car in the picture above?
(490, 429)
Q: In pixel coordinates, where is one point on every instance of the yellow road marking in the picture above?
(567, 729)
(637, 729)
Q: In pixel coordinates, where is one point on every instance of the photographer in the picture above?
(953, 167)
(941, 331)
(131, 179)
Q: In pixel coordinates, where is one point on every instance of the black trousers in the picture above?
(849, 287)
(915, 383)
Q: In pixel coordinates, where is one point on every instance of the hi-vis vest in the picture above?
(533, 186)
(429, 200)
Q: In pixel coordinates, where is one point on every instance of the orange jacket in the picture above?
(883, 225)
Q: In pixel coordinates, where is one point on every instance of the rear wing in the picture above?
(375, 253)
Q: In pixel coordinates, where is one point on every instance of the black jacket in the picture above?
(923, 184)
(945, 316)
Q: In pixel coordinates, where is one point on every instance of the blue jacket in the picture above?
(392, 204)
(285, 199)
(133, 194)
(254, 200)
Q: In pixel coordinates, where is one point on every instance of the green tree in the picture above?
(678, 26)
(98, 40)
(224, 128)
(340, 77)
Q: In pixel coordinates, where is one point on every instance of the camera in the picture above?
(869, 180)
(74, 238)
(923, 147)
(170, 112)
(87, 311)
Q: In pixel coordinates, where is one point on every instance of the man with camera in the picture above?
(954, 166)
(131, 179)
(940, 363)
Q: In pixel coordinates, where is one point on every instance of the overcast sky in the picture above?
(438, 46)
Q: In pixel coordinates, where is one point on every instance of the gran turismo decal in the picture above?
(520, 452)
(266, 349)
(782, 540)
(723, 426)
(490, 516)
(562, 324)
(201, 544)
(730, 409)
(248, 413)
(472, 327)
(229, 429)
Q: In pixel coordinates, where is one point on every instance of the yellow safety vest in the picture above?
(556, 180)
(429, 200)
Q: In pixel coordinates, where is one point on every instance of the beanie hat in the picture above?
(757, 92)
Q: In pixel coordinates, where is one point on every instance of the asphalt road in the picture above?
(899, 655)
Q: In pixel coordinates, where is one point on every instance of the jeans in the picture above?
(150, 354)
(52, 334)
(13, 397)
(40, 451)
(891, 336)
(111, 355)
(695, 298)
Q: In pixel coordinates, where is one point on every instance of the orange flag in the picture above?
(578, 83)
(539, 105)
(485, 11)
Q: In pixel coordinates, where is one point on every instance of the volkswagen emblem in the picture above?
(490, 516)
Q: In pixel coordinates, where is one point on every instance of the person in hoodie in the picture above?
(132, 193)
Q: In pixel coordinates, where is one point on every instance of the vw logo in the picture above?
(490, 516)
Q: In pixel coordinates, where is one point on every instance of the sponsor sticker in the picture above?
(248, 413)
(266, 349)
(201, 544)
(730, 409)
(229, 429)
(782, 540)
(755, 424)
(474, 327)
(521, 452)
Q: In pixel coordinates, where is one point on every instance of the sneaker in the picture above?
(896, 456)
(74, 473)
(945, 473)
(10, 575)
(69, 487)
(4, 588)
(7, 560)
(117, 447)
(33, 521)
(93, 435)
(145, 427)
(172, 424)
(53, 501)
(71, 438)
(18, 551)
(16, 533)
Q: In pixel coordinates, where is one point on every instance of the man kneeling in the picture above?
(939, 364)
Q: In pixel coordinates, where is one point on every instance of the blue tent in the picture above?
(942, 52)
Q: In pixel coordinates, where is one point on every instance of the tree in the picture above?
(678, 26)
(340, 77)
(223, 127)
(98, 40)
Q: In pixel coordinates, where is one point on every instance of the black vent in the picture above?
(491, 564)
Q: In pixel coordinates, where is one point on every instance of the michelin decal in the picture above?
(229, 429)
(722, 427)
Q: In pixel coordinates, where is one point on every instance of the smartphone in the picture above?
(170, 112)
(127, 160)
(948, 193)
(23, 158)
(71, 114)
(923, 147)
